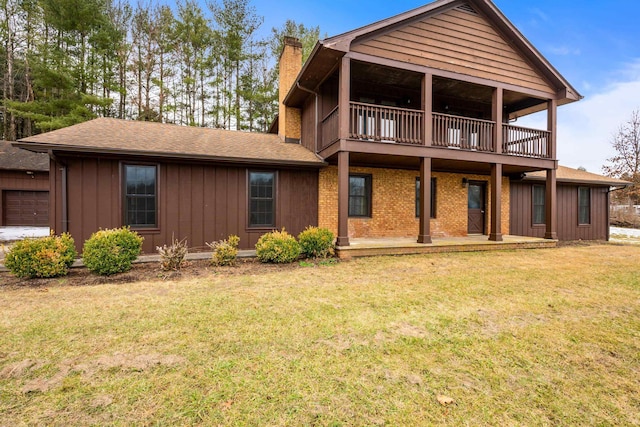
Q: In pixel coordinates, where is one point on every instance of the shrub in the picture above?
(316, 242)
(44, 257)
(172, 256)
(225, 252)
(111, 251)
(277, 247)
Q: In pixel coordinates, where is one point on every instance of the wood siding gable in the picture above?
(455, 40)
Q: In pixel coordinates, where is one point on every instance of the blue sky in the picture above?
(594, 44)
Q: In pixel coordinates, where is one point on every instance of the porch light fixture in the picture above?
(31, 174)
(465, 183)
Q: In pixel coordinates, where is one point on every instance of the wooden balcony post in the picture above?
(550, 206)
(344, 97)
(343, 199)
(427, 107)
(552, 125)
(496, 203)
(424, 235)
(496, 116)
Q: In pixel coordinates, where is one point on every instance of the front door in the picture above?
(476, 208)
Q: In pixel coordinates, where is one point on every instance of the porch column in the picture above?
(496, 116)
(424, 235)
(427, 107)
(496, 203)
(552, 120)
(343, 199)
(344, 98)
(550, 201)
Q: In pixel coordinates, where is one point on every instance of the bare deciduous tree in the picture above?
(625, 164)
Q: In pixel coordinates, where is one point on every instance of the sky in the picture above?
(594, 44)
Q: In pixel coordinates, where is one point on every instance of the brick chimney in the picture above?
(289, 128)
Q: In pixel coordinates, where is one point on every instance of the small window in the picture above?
(261, 199)
(539, 209)
(141, 201)
(360, 195)
(433, 198)
(584, 205)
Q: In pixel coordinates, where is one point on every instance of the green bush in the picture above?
(225, 252)
(316, 242)
(111, 251)
(44, 257)
(278, 247)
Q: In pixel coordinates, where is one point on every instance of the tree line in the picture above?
(67, 61)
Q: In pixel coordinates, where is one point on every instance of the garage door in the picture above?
(26, 208)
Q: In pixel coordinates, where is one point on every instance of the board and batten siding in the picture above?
(309, 123)
(459, 42)
(201, 202)
(521, 221)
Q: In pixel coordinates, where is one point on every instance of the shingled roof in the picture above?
(13, 158)
(576, 176)
(115, 136)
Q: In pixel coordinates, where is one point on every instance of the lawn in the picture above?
(531, 337)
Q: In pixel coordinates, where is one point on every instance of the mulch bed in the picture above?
(146, 271)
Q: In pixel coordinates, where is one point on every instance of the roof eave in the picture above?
(44, 148)
(582, 181)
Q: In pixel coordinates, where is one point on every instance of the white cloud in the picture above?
(586, 127)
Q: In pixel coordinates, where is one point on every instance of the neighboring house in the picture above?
(24, 187)
(428, 96)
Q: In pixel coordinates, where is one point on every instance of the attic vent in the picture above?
(467, 8)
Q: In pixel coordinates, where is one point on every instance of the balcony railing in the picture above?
(389, 124)
(386, 124)
(519, 141)
(330, 128)
(463, 133)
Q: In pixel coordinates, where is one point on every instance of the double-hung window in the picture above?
(262, 199)
(360, 195)
(584, 205)
(141, 196)
(539, 208)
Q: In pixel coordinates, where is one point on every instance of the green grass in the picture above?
(537, 337)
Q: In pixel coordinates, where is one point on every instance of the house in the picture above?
(428, 96)
(24, 187)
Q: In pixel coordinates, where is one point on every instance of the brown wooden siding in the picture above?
(459, 42)
(308, 139)
(201, 202)
(521, 223)
(20, 180)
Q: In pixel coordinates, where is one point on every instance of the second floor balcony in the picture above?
(382, 124)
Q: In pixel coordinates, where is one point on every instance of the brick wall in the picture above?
(289, 126)
(393, 203)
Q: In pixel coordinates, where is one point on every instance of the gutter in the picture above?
(44, 147)
(315, 130)
(64, 196)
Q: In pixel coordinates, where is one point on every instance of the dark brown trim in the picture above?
(343, 199)
(496, 203)
(369, 190)
(123, 196)
(424, 232)
(263, 227)
(551, 205)
(72, 149)
(533, 206)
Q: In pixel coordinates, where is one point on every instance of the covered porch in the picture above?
(359, 247)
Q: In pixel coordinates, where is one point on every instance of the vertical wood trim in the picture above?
(496, 116)
(424, 235)
(551, 206)
(427, 107)
(496, 203)
(344, 97)
(343, 199)
(552, 126)
(607, 214)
